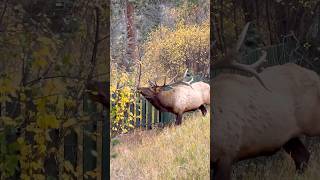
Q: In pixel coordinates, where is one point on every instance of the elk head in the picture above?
(229, 60)
(154, 88)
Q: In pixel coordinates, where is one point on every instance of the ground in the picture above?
(177, 152)
(182, 152)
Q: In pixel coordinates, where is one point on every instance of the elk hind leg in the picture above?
(221, 170)
(179, 119)
(203, 110)
(298, 152)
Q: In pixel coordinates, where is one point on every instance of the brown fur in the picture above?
(180, 99)
(249, 121)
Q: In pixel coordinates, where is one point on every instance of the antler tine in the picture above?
(249, 69)
(165, 77)
(189, 82)
(155, 81)
(151, 83)
(231, 56)
(252, 69)
(181, 81)
(172, 80)
(185, 73)
(242, 37)
(262, 59)
(229, 61)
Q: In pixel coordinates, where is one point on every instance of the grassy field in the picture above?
(180, 152)
(183, 153)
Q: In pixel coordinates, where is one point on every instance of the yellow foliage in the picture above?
(46, 121)
(172, 49)
(121, 96)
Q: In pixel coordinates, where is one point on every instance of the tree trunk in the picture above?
(235, 17)
(131, 35)
(281, 18)
(268, 21)
(248, 10)
(223, 46)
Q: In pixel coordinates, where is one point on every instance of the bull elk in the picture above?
(249, 121)
(177, 97)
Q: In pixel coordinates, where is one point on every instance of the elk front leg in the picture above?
(221, 170)
(179, 119)
(203, 110)
(298, 152)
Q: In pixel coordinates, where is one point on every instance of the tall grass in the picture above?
(177, 152)
(279, 166)
(182, 152)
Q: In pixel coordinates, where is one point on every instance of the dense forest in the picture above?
(274, 22)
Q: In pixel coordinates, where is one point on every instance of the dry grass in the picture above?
(183, 153)
(279, 167)
(180, 152)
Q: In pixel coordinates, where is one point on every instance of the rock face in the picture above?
(249, 121)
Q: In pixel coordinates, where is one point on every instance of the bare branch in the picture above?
(139, 77)
(35, 81)
(3, 11)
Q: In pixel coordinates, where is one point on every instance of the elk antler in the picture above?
(171, 83)
(185, 75)
(152, 83)
(229, 61)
